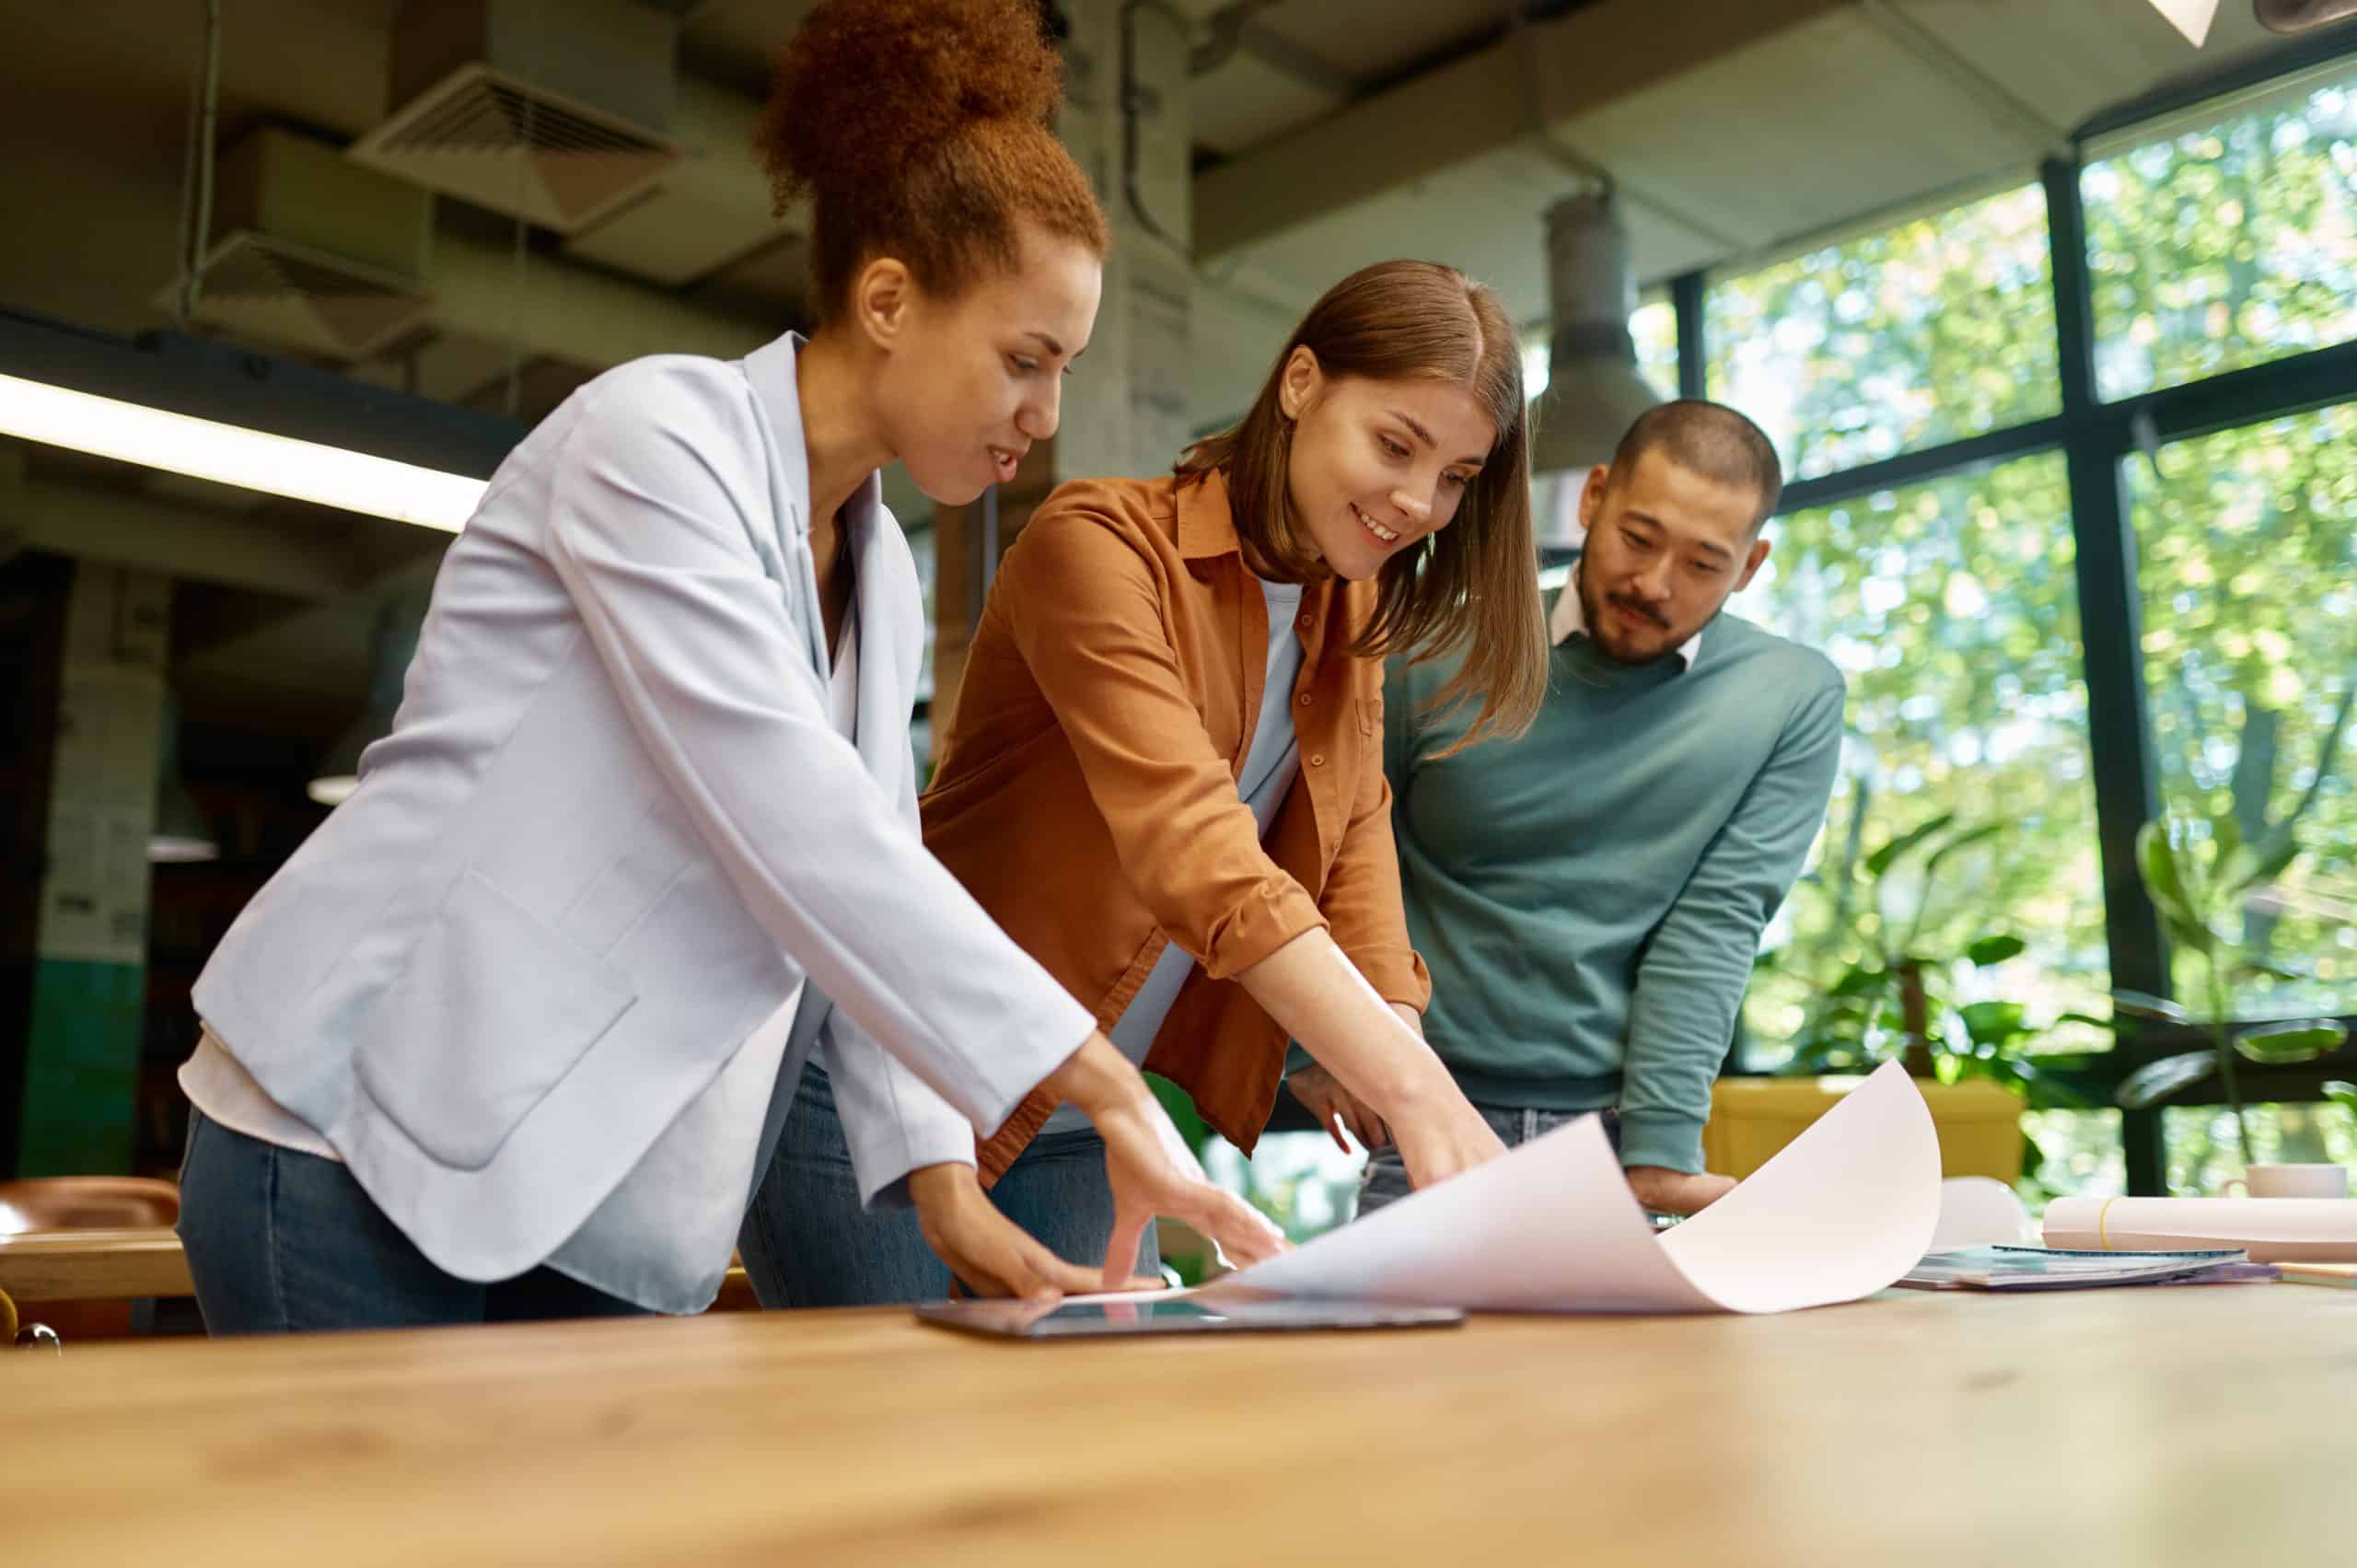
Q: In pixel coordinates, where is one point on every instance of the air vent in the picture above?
(558, 114)
(315, 301)
(517, 149)
(712, 210)
(308, 252)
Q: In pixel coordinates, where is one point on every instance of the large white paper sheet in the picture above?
(1842, 1212)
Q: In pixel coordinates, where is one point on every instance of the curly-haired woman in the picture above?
(514, 1033)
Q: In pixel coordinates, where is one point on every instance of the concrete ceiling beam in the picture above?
(132, 531)
(1591, 57)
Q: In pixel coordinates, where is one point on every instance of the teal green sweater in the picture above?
(1589, 897)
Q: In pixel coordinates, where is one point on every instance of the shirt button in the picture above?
(1317, 758)
(1305, 699)
(1306, 622)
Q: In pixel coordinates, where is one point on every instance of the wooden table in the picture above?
(2207, 1426)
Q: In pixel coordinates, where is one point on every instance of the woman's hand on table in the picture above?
(990, 1254)
(1152, 1170)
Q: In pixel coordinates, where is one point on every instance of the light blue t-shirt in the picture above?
(1268, 769)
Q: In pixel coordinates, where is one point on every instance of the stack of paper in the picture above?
(2037, 1268)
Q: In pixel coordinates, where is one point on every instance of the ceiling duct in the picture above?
(2193, 17)
(1594, 392)
(310, 253)
(2299, 16)
(711, 208)
(558, 114)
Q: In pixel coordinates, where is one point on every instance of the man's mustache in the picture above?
(1634, 608)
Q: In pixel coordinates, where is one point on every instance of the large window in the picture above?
(2204, 1152)
(2229, 241)
(2248, 547)
(1948, 585)
(1937, 329)
(1951, 608)
(1655, 326)
(1913, 374)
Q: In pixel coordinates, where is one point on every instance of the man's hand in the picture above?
(1150, 1167)
(1667, 1191)
(990, 1254)
(1322, 1095)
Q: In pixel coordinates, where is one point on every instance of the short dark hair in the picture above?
(1711, 439)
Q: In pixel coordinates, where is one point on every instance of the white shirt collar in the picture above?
(774, 372)
(1570, 620)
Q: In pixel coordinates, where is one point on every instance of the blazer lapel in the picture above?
(785, 555)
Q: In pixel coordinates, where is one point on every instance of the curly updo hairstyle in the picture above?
(919, 130)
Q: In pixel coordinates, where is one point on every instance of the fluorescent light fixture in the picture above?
(231, 454)
(338, 773)
(2191, 17)
(181, 833)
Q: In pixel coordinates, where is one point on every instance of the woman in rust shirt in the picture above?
(1163, 777)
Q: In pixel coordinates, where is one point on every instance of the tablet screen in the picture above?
(1172, 1315)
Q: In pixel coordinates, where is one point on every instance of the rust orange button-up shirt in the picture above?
(1086, 794)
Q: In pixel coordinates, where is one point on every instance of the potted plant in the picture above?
(1975, 1061)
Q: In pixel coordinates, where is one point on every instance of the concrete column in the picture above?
(82, 1035)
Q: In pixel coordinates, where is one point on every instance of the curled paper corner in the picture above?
(1840, 1212)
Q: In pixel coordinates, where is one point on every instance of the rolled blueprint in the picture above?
(2272, 1230)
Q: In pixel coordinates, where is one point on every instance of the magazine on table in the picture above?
(2043, 1267)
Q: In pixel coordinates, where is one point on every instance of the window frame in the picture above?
(2096, 437)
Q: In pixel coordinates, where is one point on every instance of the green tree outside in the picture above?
(1951, 605)
(2229, 242)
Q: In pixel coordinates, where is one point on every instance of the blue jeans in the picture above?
(1385, 1181)
(279, 1241)
(807, 1243)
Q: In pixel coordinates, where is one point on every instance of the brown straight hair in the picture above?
(1474, 585)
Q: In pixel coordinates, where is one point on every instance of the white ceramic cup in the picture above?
(2293, 1181)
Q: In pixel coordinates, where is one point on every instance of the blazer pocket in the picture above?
(491, 1012)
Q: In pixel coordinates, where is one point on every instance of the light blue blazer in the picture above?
(512, 978)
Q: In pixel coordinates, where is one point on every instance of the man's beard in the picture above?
(1594, 608)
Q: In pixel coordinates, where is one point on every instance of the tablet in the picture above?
(1172, 1315)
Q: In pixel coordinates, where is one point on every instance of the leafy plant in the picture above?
(1900, 996)
(2201, 878)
